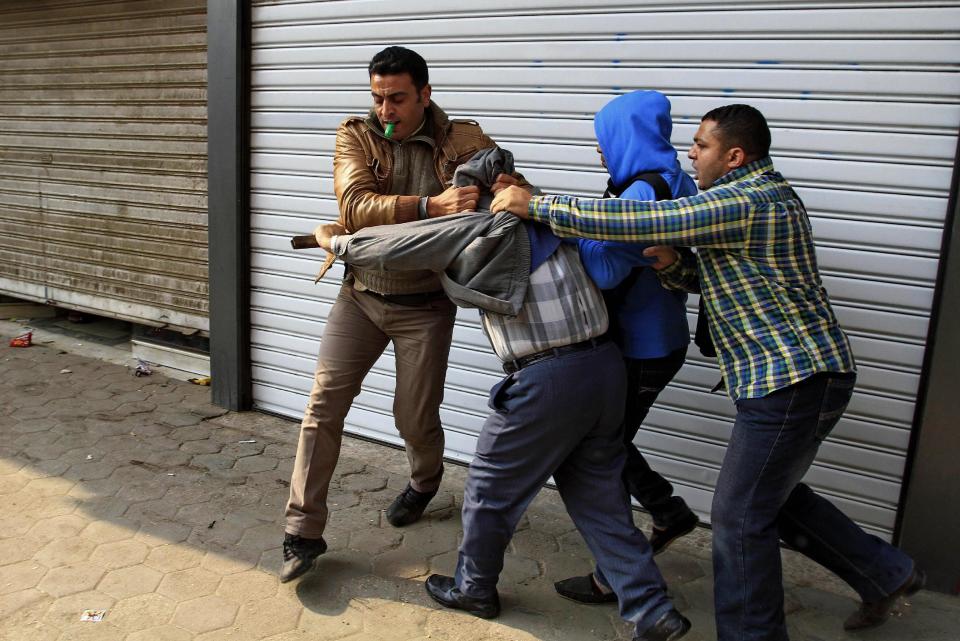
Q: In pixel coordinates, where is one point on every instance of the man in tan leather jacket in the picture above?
(393, 166)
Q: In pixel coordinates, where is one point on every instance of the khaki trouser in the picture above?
(357, 331)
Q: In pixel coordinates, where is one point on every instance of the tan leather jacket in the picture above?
(363, 163)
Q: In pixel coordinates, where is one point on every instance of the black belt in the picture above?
(410, 300)
(512, 366)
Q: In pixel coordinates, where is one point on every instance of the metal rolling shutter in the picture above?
(863, 102)
(103, 157)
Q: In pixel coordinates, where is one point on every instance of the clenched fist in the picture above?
(453, 201)
(323, 233)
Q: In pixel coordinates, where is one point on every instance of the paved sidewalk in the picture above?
(137, 497)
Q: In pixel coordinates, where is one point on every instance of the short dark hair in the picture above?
(742, 126)
(396, 60)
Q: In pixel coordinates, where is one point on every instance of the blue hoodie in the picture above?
(633, 132)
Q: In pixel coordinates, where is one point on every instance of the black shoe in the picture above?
(660, 538)
(671, 625)
(444, 591)
(870, 615)
(408, 507)
(299, 554)
(583, 589)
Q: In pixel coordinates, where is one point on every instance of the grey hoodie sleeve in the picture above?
(483, 260)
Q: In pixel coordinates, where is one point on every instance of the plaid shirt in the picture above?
(562, 307)
(770, 316)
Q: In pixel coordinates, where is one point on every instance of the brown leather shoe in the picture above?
(870, 615)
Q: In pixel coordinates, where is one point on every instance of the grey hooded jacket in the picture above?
(483, 260)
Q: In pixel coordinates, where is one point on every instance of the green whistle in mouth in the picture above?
(388, 130)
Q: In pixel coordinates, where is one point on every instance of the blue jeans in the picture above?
(759, 498)
(561, 417)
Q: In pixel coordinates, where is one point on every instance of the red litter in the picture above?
(23, 340)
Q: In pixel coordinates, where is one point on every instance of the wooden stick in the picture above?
(304, 242)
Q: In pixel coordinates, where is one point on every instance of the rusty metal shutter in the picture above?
(863, 101)
(103, 158)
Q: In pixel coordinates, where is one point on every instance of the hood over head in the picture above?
(633, 131)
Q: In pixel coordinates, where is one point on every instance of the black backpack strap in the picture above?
(616, 295)
(702, 338)
(661, 189)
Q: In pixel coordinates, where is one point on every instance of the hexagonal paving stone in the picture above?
(202, 446)
(106, 508)
(368, 482)
(26, 414)
(212, 461)
(189, 584)
(227, 559)
(334, 625)
(70, 579)
(369, 590)
(157, 533)
(18, 524)
(206, 613)
(161, 633)
(67, 610)
(374, 541)
(102, 488)
(142, 611)
(228, 634)
(251, 585)
(191, 433)
(20, 576)
(534, 544)
(678, 569)
(131, 581)
(135, 407)
(65, 551)
(261, 537)
(403, 563)
(178, 419)
(22, 609)
(142, 491)
(10, 483)
(57, 527)
(171, 558)
(389, 620)
(92, 470)
(242, 449)
(45, 468)
(120, 554)
(432, 540)
(87, 631)
(252, 464)
(108, 532)
(16, 549)
(269, 616)
(445, 563)
(51, 506)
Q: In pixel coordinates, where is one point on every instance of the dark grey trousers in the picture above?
(559, 417)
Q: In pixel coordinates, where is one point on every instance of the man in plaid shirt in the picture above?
(786, 363)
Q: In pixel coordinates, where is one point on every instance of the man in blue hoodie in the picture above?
(647, 321)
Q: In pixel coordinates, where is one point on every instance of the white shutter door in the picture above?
(863, 103)
(103, 166)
